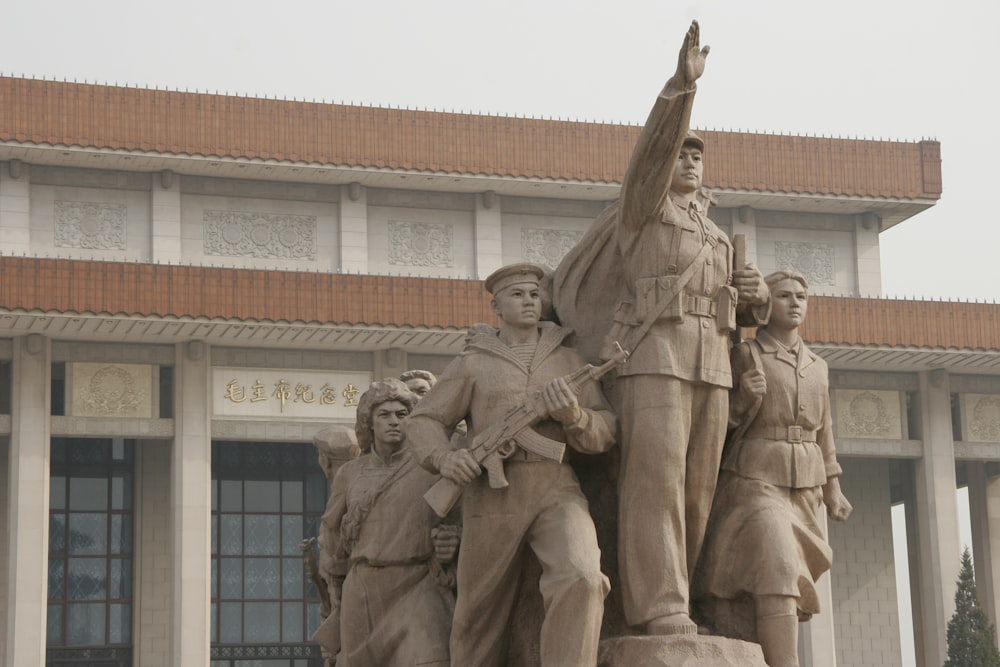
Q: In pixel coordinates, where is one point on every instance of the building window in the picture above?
(90, 551)
(266, 498)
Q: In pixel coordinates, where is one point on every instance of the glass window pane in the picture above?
(121, 491)
(53, 625)
(215, 578)
(231, 499)
(57, 533)
(261, 622)
(215, 495)
(316, 492)
(231, 534)
(57, 492)
(291, 495)
(57, 579)
(262, 495)
(231, 622)
(88, 579)
(291, 622)
(262, 537)
(88, 534)
(291, 534)
(120, 624)
(88, 494)
(215, 624)
(262, 578)
(215, 534)
(231, 584)
(85, 624)
(121, 533)
(292, 574)
(312, 616)
(121, 579)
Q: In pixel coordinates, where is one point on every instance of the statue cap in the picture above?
(512, 274)
(693, 139)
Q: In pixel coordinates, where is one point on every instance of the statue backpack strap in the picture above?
(636, 335)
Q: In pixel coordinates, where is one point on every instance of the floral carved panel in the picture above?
(868, 414)
(421, 244)
(264, 235)
(94, 226)
(111, 390)
(812, 260)
(982, 417)
(547, 247)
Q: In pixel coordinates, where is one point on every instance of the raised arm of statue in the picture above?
(650, 171)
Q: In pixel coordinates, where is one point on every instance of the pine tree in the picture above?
(971, 637)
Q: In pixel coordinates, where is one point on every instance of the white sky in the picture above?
(901, 69)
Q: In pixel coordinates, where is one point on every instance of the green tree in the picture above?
(971, 637)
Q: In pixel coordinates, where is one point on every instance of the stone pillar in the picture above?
(354, 229)
(866, 252)
(165, 209)
(489, 243)
(191, 506)
(817, 647)
(153, 576)
(28, 503)
(984, 514)
(936, 551)
(389, 363)
(15, 208)
(744, 222)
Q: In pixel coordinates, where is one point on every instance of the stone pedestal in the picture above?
(679, 651)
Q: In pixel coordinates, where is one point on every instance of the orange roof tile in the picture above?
(187, 291)
(111, 117)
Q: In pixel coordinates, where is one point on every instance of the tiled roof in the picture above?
(77, 286)
(111, 117)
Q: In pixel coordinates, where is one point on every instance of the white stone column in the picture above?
(817, 647)
(191, 506)
(937, 547)
(28, 503)
(15, 208)
(984, 514)
(354, 229)
(866, 252)
(744, 222)
(489, 242)
(165, 226)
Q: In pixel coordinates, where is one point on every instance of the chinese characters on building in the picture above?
(299, 393)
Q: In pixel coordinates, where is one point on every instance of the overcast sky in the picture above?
(877, 69)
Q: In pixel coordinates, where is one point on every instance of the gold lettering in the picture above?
(304, 393)
(258, 392)
(351, 394)
(327, 395)
(235, 392)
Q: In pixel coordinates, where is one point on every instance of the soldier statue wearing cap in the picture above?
(543, 507)
(679, 298)
(682, 299)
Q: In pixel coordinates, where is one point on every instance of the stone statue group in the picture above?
(724, 457)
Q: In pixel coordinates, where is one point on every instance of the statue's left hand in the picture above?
(560, 402)
(749, 284)
(838, 507)
(445, 539)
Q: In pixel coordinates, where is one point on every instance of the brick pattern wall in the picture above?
(165, 121)
(153, 555)
(152, 289)
(866, 618)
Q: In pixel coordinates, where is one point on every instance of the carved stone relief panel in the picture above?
(94, 226)
(982, 417)
(547, 246)
(267, 235)
(421, 244)
(110, 390)
(812, 260)
(867, 413)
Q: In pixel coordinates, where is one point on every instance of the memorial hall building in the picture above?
(192, 285)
